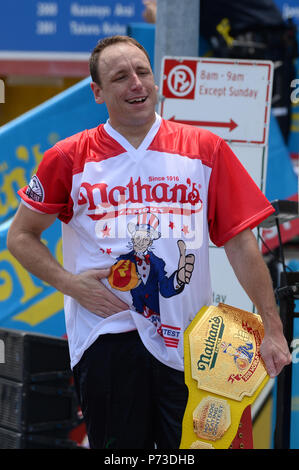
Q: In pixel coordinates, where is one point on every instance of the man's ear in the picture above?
(97, 92)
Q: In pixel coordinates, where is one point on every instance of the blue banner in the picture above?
(64, 25)
(24, 140)
(289, 9)
(26, 302)
(282, 181)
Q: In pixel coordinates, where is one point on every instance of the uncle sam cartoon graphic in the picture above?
(143, 273)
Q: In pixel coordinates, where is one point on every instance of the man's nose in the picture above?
(135, 82)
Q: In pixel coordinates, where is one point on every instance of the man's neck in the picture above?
(134, 134)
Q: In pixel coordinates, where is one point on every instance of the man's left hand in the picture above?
(274, 350)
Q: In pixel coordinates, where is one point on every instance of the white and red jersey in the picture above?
(184, 184)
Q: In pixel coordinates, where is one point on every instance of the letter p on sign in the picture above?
(179, 79)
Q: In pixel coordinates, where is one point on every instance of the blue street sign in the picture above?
(289, 9)
(72, 26)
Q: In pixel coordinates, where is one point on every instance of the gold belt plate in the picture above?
(224, 373)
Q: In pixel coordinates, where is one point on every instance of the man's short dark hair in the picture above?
(101, 45)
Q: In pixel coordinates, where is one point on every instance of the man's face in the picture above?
(127, 86)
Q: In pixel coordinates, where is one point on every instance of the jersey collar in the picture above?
(135, 153)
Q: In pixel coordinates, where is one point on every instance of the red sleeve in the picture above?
(49, 189)
(234, 200)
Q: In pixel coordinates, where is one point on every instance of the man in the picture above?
(129, 376)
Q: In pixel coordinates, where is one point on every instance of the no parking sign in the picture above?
(230, 97)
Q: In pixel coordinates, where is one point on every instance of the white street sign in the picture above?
(231, 98)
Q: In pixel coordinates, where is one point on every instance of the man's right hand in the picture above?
(91, 293)
(24, 242)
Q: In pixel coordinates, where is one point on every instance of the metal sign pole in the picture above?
(288, 292)
(177, 30)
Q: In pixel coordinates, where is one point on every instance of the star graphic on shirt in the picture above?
(185, 229)
(108, 251)
(106, 231)
(171, 225)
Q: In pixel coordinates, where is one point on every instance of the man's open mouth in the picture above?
(137, 100)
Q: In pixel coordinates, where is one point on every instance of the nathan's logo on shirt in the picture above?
(207, 359)
(93, 194)
(35, 190)
(177, 204)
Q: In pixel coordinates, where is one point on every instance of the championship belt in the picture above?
(123, 275)
(223, 372)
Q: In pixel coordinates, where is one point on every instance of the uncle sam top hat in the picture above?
(147, 222)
